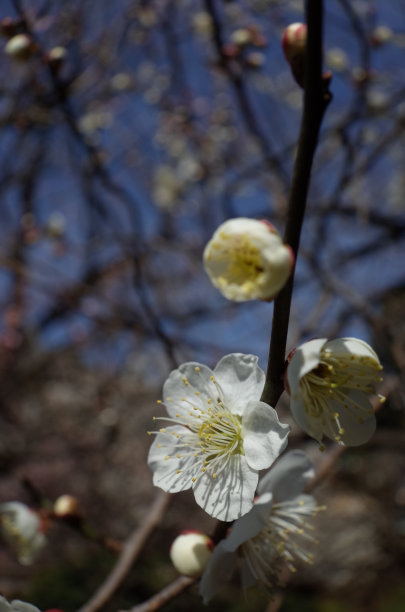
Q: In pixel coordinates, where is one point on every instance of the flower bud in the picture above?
(255, 59)
(19, 47)
(56, 56)
(380, 35)
(246, 260)
(294, 41)
(241, 37)
(190, 553)
(66, 505)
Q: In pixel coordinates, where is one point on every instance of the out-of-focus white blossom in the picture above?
(16, 606)
(246, 260)
(329, 383)
(66, 505)
(381, 35)
(274, 532)
(190, 553)
(21, 529)
(203, 24)
(219, 435)
(241, 37)
(337, 59)
(19, 47)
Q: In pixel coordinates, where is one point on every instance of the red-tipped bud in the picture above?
(294, 41)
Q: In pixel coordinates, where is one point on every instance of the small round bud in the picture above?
(255, 59)
(66, 505)
(19, 47)
(294, 41)
(190, 553)
(381, 35)
(56, 225)
(241, 37)
(56, 56)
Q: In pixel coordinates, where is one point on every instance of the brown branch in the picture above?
(316, 100)
(130, 551)
(172, 590)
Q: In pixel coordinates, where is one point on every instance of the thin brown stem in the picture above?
(316, 100)
(172, 590)
(130, 551)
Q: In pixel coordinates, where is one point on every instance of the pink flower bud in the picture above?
(294, 41)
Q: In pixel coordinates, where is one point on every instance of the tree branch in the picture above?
(316, 100)
(131, 549)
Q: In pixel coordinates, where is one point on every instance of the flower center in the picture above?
(209, 435)
(286, 536)
(244, 262)
(338, 379)
(220, 433)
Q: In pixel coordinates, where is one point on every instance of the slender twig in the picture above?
(172, 590)
(131, 549)
(316, 100)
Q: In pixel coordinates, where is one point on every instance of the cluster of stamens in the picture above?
(210, 434)
(243, 259)
(335, 378)
(285, 538)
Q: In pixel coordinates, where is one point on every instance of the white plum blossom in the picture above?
(273, 533)
(219, 435)
(190, 553)
(16, 606)
(329, 383)
(21, 528)
(247, 260)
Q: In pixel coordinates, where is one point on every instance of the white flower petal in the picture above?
(231, 493)
(249, 525)
(21, 606)
(354, 431)
(219, 569)
(16, 606)
(312, 426)
(351, 346)
(241, 380)
(264, 437)
(189, 385)
(305, 359)
(288, 477)
(165, 470)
